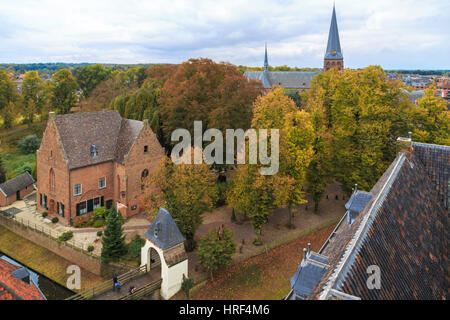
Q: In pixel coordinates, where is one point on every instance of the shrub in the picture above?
(186, 285)
(44, 214)
(90, 248)
(136, 244)
(99, 233)
(221, 188)
(99, 223)
(55, 220)
(100, 213)
(29, 144)
(65, 236)
(233, 216)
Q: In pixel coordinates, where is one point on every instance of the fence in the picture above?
(19, 221)
(144, 291)
(107, 285)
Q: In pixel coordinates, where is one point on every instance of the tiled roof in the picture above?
(111, 135)
(286, 79)
(402, 230)
(163, 231)
(18, 183)
(11, 288)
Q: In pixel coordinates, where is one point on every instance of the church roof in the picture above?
(285, 79)
(333, 45)
(164, 231)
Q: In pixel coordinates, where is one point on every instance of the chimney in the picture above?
(304, 254)
(356, 187)
(309, 247)
(404, 144)
(51, 115)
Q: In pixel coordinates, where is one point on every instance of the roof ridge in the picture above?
(353, 247)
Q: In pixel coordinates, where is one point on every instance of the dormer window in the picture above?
(94, 151)
(157, 229)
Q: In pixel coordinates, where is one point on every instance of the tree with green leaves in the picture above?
(187, 191)
(113, 240)
(257, 196)
(63, 91)
(33, 92)
(89, 77)
(277, 111)
(8, 98)
(431, 120)
(9, 115)
(216, 249)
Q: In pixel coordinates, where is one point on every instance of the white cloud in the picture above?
(394, 34)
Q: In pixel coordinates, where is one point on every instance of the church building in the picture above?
(301, 80)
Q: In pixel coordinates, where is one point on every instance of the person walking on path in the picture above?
(114, 282)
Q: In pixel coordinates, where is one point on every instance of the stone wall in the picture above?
(73, 254)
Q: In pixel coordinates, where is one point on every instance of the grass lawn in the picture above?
(15, 162)
(42, 260)
(262, 277)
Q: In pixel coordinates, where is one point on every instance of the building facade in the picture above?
(88, 160)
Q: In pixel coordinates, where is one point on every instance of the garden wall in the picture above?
(73, 254)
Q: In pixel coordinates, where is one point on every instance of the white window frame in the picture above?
(75, 187)
(104, 186)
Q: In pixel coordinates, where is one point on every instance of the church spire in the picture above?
(333, 52)
(266, 60)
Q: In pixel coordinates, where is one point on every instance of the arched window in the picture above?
(52, 180)
(144, 174)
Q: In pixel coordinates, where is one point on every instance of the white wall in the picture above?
(171, 277)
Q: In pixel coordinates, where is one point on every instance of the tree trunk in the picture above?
(316, 206)
(289, 217)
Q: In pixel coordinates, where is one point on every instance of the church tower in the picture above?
(333, 55)
(266, 60)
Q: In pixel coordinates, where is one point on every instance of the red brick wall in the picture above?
(88, 178)
(136, 162)
(6, 201)
(51, 156)
(328, 64)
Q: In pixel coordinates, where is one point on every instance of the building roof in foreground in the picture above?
(164, 231)
(15, 184)
(12, 287)
(111, 135)
(285, 79)
(403, 230)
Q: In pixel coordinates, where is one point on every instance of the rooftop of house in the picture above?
(403, 229)
(164, 231)
(15, 283)
(110, 134)
(18, 183)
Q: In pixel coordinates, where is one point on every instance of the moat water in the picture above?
(49, 288)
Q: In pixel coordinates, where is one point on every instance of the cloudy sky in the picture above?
(404, 34)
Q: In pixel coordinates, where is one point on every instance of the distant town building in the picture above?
(393, 243)
(88, 160)
(16, 189)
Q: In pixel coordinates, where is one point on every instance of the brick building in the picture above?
(16, 189)
(87, 160)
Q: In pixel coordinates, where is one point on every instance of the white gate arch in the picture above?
(164, 238)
